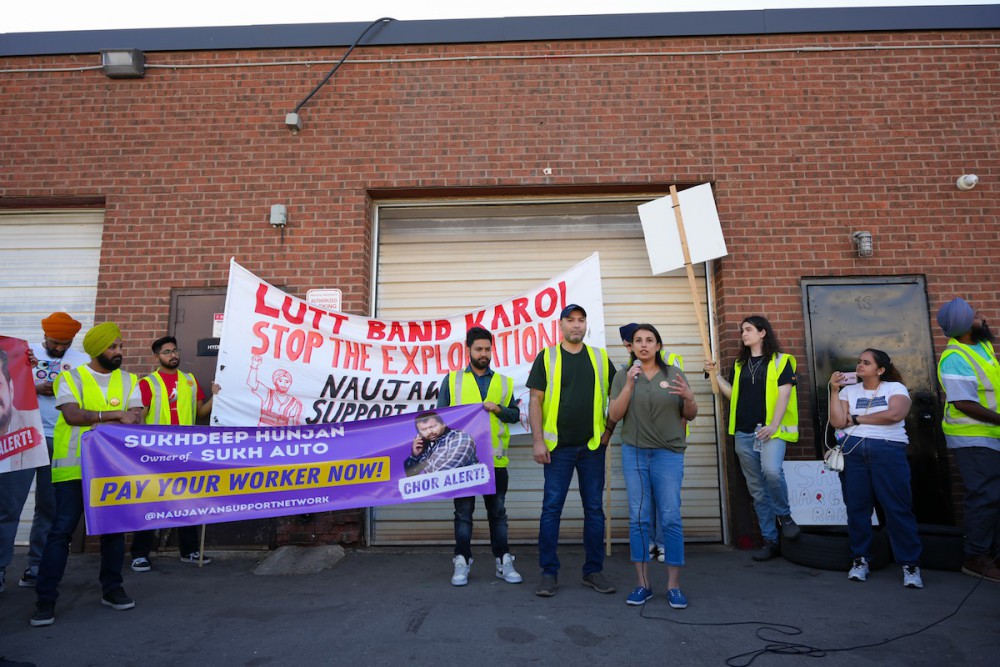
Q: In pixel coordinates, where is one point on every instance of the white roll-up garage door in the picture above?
(50, 262)
(438, 260)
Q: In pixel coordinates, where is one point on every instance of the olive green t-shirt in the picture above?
(653, 419)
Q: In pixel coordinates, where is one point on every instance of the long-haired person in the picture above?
(763, 417)
(653, 400)
(872, 412)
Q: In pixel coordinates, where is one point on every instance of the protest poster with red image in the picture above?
(22, 441)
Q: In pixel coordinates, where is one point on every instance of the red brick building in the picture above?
(810, 124)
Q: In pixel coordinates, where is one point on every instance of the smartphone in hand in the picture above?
(849, 378)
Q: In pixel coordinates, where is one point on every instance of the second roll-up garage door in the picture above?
(440, 259)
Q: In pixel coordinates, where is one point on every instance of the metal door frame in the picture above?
(807, 282)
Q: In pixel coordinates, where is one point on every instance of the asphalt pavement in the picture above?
(393, 606)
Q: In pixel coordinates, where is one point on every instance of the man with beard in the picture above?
(970, 375)
(479, 384)
(86, 396)
(170, 396)
(53, 356)
(569, 386)
(438, 447)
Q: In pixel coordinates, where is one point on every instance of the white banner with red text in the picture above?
(283, 361)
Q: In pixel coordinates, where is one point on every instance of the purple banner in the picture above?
(137, 478)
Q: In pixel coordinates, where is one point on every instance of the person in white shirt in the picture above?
(875, 466)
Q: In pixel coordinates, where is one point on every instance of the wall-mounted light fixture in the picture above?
(967, 182)
(123, 63)
(863, 243)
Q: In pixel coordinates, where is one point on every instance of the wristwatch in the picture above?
(854, 420)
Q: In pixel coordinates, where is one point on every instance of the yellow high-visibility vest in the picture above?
(788, 430)
(159, 404)
(89, 396)
(464, 390)
(553, 389)
(987, 371)
(673, 359)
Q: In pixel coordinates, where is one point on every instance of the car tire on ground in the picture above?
(827, 548)
(942, 547)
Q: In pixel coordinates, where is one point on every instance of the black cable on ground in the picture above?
(779, 647)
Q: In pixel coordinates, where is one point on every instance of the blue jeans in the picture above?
(980, 470)
(765, 481)
(589, 466)
(14, 489)
(496, 514)
(876, 468)
(69, 509)
(654, 474)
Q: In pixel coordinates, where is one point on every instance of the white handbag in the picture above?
(834, 459)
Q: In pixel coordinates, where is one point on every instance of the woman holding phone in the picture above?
(871, 412)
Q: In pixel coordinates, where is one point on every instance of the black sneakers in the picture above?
(547, 586)
(117, 599)
(598, 582)
(767, 552)
(45, 610)
(789, 529)
(45, 613)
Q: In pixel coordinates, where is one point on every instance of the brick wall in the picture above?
(803, 147)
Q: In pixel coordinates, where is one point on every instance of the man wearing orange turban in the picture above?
(86, 396)
(54, 356)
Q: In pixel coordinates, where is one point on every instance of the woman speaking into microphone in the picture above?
(653, 401)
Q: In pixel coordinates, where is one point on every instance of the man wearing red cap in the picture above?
(86, 396)
(54, 356)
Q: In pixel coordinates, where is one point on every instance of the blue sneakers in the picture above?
(677, 599)
(639, 595)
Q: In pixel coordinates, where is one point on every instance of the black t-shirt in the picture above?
(576, 396)
(752, 406)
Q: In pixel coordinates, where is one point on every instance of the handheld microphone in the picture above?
(636, 364)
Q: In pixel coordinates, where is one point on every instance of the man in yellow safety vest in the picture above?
(170, 396)
(478, 383)
(86, 396)
(569, 386)
(970, 375)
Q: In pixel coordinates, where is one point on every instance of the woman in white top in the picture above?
(871, 412)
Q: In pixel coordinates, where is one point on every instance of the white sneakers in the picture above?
(911, 577)
(506, 571)
(462, 567)
(859, 571)
(911, 574)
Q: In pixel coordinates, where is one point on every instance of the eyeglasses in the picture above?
(170, 353)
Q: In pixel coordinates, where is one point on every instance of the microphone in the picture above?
(636, 364)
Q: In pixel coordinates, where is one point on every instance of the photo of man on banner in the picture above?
(438, 447)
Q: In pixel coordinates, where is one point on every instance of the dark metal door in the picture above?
(846, 315)
(192, 318)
